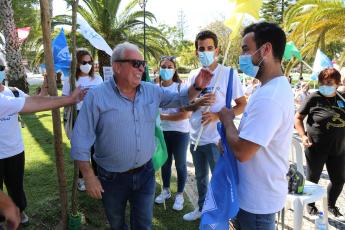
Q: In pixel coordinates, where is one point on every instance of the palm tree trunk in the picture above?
(16, 74)
(48, 56)
(103, 60)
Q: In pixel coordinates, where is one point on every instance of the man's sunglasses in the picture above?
(170, 58)
(86, 62)
(135, 63)
(2, 68)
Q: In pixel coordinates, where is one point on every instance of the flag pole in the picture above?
(214, 89)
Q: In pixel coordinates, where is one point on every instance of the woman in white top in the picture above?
(175, 126)
(85, 78)
(12, 158)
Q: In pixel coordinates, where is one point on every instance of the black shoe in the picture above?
(336, 213)
(312, 210)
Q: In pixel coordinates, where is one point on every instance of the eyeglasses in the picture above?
(86, 62)
(170, 58)
(2, 67)
(135, 63)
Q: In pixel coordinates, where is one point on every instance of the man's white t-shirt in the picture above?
(10, 105)
(210, 133)
(11, 142)
(180, 126)
(84, 82)
(268, 122)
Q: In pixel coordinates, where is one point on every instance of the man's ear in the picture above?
(116, 67)
(216, 52)
(267, 49)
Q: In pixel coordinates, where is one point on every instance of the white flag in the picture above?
(92, 36)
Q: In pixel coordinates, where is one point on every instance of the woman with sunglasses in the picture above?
(85, 78)
(175, 126)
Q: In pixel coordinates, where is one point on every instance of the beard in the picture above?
(261, 70)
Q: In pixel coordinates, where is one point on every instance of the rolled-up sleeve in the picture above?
(173, 99)
(84, 131)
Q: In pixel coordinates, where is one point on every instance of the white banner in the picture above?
(92, 36)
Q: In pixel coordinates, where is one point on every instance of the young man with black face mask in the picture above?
(206, 154)
(262, 141)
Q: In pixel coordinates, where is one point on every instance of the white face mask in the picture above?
(85, 68)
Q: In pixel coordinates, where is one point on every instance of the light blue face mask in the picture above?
(327, 90)
(247, 66)
(2, 76)
(206, 58)
(166, 74)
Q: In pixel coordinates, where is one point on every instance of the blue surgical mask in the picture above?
(247, 66)
(206, 58)
(327, 90)
(166, 74)
(2, 76)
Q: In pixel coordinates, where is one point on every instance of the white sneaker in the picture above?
(165, 194)
(81, 185)
(196, 214)
(24, 219)
(178, 204)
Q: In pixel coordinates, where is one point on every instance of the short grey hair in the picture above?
(120, 49)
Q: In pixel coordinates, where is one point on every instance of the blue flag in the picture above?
(221, 202)
(61, 55)
(321, 62)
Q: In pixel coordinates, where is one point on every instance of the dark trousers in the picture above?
(12, 175)
(177, 144)
(335, 167)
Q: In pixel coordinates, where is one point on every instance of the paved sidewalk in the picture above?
(308, 223)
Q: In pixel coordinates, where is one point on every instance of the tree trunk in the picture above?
(48, 56)
(16, 74)
(103, 60)
(74, 198)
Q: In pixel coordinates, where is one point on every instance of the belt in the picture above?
(136, 170)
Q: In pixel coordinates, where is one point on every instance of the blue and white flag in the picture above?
(61, 55)
(221, 202)
(321, 62)
(92, 36)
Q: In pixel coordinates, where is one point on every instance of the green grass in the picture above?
(41, 184)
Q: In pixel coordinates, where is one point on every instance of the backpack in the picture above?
(295, 180)
(16, 94)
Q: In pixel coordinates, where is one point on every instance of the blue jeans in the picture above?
(137, 188)
(204, 157)
(250, 221)
(177, 144)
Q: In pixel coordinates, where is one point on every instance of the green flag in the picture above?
(161, 152)
(291, 51)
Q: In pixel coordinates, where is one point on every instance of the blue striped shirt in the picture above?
(122, 130)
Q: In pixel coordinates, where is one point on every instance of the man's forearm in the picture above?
(39, 103)
(193, 93)
(231, 135)
(85, 169)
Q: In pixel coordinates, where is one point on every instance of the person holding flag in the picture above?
(262, 141)
(119, 117)
(206, 154)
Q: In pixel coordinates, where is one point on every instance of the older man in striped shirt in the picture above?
(119, 117)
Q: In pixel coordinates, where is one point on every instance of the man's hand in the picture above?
(306, 141)
(226, 115)
(78, 94)
(10, 211)
(206, 100)
(208, 117)
(93, 187)
(203, 79)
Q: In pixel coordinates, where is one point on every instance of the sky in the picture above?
(198, 13)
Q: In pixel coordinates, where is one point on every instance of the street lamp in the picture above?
(142, 4)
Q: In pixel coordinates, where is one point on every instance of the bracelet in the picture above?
(197, 88)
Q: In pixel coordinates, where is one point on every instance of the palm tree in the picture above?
(314, 24)
(16, 73)
(116, 27)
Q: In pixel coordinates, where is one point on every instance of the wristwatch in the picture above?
(197, 88)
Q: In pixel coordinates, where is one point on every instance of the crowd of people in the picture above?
(113, 138)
